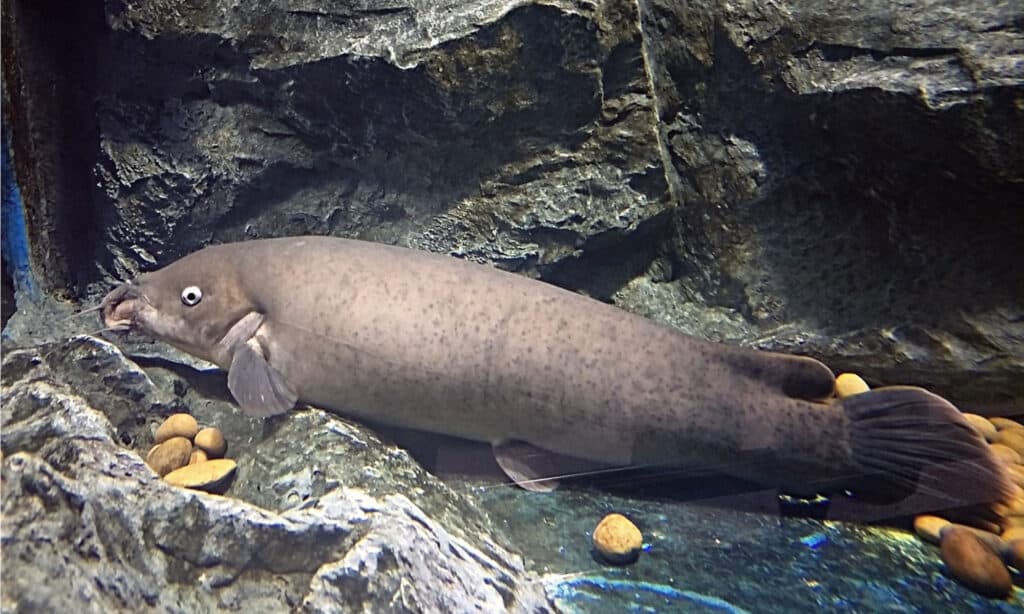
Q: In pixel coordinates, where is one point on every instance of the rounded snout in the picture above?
(121, 306)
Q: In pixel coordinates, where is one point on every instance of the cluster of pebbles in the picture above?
(977, 558)
(189, 456)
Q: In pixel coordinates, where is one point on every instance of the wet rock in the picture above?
(122, 539)
(974, 564)
(820, 216)
(832, 104)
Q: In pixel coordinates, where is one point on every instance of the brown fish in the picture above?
(430, 342)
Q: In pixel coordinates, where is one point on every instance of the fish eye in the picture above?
(191, 296)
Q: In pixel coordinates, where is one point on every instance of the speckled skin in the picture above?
(430, 342)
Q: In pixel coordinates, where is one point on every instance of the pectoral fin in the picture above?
(258, 387)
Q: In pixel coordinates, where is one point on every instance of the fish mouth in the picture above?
(121, 307)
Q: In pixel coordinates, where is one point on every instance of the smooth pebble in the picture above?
(929, 528)
(1016, 474)
(211, 440)
(1010, 535)
(169, 455)
(1011, 438)
(1006, 423)
(1005, 453)
(974, 564)
(983, 425)
(211, 475)
(849, 384)
(177, 425)
(1014, 554)
(617, 539)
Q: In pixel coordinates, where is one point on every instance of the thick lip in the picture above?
(120, 306)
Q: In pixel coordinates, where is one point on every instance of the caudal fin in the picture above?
(909, 440)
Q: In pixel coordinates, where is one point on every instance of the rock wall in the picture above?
(849, 181)
(86, 524)
(835, 181)
(840, 181)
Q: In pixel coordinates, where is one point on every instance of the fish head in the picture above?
(191, 303)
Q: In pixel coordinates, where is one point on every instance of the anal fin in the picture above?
(539, 470)
(528, 466)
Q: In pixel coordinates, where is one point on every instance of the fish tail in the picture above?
(908, 440)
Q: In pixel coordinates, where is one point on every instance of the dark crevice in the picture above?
(610, 260)
(7, 303)
(49, 70)
(832, 52)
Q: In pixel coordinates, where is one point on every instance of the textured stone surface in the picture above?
(837, 181)
(848, 179)
(86, 522)
(501, 131)
(324, 516)
(706, 556)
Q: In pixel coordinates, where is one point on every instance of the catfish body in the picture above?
(430, 342)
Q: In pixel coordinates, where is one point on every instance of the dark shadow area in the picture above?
(7, 304)
(49, 71)
(209, 384)
(610, 260)
(454, 459)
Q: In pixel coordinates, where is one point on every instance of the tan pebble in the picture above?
(1006, 454)
(211, 440)
(1010, 535)
(974, 564)
(1014, 554)
(929, 528)
(178, 425)
(1011, 438)
(1015, 507)
(1016, 474)
(1006, 423)
(983, 425)
(198, 456)
(990, 538)
(211, 475)
(849, 384)
(617, 539)
(982, 526)
(170, 455)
